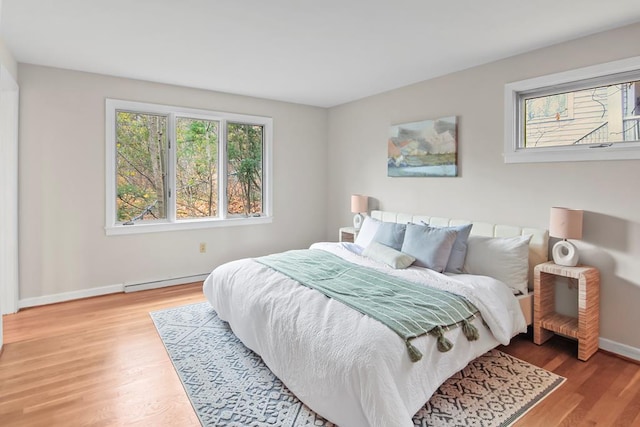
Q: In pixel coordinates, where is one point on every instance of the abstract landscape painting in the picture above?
(426, 148)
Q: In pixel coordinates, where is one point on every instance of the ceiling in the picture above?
(321, 53)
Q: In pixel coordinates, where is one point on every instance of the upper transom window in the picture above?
(588, 114)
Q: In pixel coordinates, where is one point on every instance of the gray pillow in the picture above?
(459, 251)
(390, 234)
(430, 246)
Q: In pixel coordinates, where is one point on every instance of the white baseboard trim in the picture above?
(621, 349)
(105, 290)
(134, 287)
(68, 296)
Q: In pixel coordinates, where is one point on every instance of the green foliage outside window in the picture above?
(143, 174)
(244, 170)
(197, 168)
(141, 165)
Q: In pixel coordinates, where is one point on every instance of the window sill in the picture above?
(620, 151)
(195, 224)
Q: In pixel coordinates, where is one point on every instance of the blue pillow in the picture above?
(390, 234)
(459, 251)
(430, 246)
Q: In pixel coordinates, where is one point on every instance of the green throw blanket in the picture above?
(409, 309)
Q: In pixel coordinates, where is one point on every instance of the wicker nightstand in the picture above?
(347, 234)
(546, 322)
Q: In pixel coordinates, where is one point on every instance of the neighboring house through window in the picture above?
(587, 114)
(174, 168)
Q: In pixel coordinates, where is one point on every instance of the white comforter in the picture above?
(350, 368)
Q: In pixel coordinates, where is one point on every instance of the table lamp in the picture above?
(565, 224)
(359, 204)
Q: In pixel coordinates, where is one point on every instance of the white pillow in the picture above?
(367, 231)
(503, 258)
(393, 258)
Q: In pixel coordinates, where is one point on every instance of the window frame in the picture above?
(572, 80)
(171, 223)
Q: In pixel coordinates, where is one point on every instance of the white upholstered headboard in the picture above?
(538, 246)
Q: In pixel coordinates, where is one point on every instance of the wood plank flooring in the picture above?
(93, 362)
(100, 362)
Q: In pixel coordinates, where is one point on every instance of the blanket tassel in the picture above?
(444, 344)
(414, 353)
(469, 331)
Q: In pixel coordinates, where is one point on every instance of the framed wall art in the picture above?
(425, 148)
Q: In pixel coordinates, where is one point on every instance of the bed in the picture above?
(348, 367)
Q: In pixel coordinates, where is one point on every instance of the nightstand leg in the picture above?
(544, 303)
(588, 314)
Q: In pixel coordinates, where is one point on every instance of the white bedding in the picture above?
(350, 368)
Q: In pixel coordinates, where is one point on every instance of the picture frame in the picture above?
(427, 148)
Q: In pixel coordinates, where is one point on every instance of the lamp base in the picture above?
(357, 221)
(565, 253)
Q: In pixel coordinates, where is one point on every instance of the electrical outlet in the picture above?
(203, 247)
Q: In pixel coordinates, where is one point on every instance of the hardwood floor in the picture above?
(100, 362)
(604, 391)
(93, 362)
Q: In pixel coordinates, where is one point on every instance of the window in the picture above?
(588, 114)
(174, 168)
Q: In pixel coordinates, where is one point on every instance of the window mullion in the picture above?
(171, 167)
(222, 170)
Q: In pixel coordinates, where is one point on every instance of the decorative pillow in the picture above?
(368, 229)
(381, 253)
(503, 258)
(391, 234)
(352, 247)
(430, 246)
(459, 250)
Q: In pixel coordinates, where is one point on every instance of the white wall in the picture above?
(9, 105)
(63, 247)
(8, 183)
(7, 59)
(490, 190)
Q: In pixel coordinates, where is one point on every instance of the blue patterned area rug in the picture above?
(229, 385)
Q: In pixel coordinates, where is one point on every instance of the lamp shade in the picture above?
(565, 223)
(359, 203)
